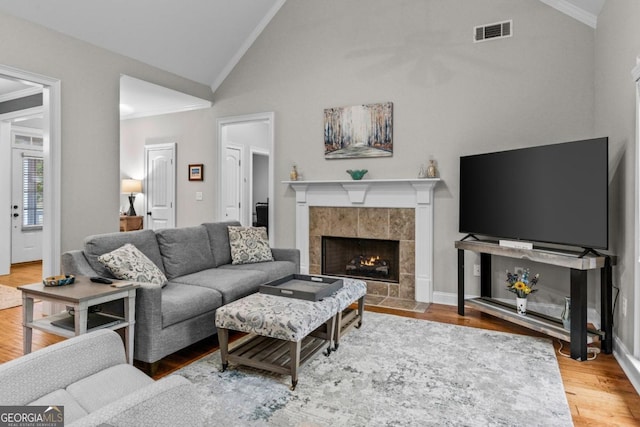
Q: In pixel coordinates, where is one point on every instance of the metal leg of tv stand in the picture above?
(461, 282)
(485, 278)
(578, 314)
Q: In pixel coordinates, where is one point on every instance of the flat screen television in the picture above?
(552, 193)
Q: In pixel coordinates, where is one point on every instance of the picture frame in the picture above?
(358, 131)
(196, 172)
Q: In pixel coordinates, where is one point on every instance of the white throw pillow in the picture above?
(249, 245)
(128, 263)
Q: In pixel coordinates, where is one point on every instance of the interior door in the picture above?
(233, 183)
(160, 183)
(27, 206)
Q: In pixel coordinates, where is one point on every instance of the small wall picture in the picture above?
(196, 172)
(358, 131)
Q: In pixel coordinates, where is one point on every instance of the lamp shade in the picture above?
(131, 186)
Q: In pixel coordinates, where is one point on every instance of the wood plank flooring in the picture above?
(598, 391)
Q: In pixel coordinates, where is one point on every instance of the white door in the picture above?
(233, 184)
(160, 186)
(27, 205)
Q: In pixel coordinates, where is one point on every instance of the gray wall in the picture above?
(90, 79)
(616, 48)
(194, 133)
(451, 97)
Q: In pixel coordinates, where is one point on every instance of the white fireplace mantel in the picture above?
(373, 193)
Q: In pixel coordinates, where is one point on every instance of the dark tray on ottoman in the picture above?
(300, 286)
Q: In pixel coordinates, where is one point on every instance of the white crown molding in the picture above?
(246, 45)
(204, 104)
(573, 11)
(20, 94)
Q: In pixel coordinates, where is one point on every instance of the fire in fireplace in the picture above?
(361, 258)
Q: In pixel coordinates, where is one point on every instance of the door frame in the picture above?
(51, 153)
(269, 118)
(164, 146)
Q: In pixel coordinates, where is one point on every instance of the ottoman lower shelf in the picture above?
(272, 354)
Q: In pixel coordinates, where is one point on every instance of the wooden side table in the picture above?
(80, 296)
(130, 223)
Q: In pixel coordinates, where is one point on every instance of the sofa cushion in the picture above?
(219, 240)
(128, 263)
(232, 284)
(106, 386)
(144, 240)
(181, 302)
(185, 250)
(72, 409)
(274, 270)
(249, 245)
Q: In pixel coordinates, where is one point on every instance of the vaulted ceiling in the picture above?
(201, 40)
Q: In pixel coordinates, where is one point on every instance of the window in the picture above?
(32, 192)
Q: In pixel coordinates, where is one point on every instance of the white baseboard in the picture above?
(629, 364)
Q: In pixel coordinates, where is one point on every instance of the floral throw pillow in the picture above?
(249, 245)
(128, 263)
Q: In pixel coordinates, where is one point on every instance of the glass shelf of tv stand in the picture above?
(532, 320)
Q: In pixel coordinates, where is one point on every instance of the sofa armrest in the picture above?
(58, 365)
(171, 401)
(282, 254)
(148, 318)
(74, 262)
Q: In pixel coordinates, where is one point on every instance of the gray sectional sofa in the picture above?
(197, 263)
(88, 375)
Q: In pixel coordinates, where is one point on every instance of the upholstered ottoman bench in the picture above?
(285, 332)
(353, 290)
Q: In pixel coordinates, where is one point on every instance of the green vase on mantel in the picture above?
(357, 174)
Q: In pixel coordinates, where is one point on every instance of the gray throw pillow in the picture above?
(249, 245)
(128, 263)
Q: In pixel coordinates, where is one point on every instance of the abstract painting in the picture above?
(358, 131)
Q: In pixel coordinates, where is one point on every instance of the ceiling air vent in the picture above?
(498, 30)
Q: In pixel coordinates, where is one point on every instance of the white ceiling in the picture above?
(198, 39)
(201, 40)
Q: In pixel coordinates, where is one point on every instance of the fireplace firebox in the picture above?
(361, 258)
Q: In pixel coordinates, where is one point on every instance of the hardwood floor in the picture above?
(23, 274)
(598, 391)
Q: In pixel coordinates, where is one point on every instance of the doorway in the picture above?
(51, 159)
(248, 134)
(252, 138)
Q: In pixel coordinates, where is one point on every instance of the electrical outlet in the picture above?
(624, 306)
(476, 269)
(518, 271)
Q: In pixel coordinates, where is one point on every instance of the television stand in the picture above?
(579, 335)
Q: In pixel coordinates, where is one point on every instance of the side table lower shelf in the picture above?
(534, 321)
(45, 324)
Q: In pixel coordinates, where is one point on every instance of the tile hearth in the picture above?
(395, 303)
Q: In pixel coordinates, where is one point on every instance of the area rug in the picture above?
(9, 297)
(397, 371)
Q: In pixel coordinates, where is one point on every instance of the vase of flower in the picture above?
(566, 314)
(521, 306)
(522, 287)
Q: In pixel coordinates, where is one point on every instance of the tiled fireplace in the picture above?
(396, 210)
(372, 227)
